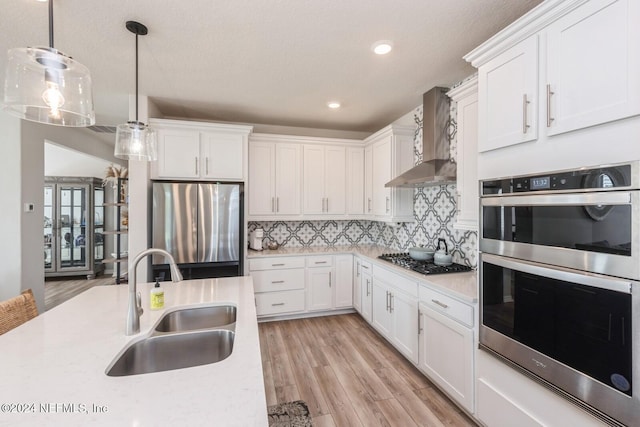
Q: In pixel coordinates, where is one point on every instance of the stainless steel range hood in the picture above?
(436, 167)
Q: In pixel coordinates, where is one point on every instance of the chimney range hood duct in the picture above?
(436, 167)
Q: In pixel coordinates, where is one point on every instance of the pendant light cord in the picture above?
(136, 78)
(51, 24)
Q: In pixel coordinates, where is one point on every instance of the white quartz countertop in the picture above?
(460, 285)
(52, 368)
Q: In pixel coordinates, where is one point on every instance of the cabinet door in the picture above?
(222, 156)
(467, 163)
(381, 175)
(287, 172)
(357, 287)
(446, 355)
(381, 316)
(355, 181)
(367, 296)
(335, 178)
(368, 180)
(508, 86)
(405, 324)
(178, 154)
(319, 288)
(262, 179)
(314, 178)
(343, 284)
(593, 65)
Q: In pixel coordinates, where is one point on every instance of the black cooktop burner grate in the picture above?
(422, 267)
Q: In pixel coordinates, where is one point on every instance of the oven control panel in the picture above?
(600, 178)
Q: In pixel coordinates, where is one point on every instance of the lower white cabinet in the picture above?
(357, 289)
(395, 311)
(447, 345)
(299, 284)
(329, 282)
(363, 288)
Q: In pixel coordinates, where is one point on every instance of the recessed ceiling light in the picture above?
(382, 47)
(333, 105)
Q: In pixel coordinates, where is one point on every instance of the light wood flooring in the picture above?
(349, 376)
(59, 290)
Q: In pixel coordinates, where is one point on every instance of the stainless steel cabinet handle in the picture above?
(320, 262)
(327, 205)
(387, 204)
(419, 325)
(549, 93)
(387, 300)
(368, 287)
(206, 165)
(369, 204)
(441, 304)
(365, 267)
(277, 281)
(277, 265)
(277, 204)
(390, 303)
(276, 304)
(525, 126)
(196, 166)
(329, 279)
(357, 269)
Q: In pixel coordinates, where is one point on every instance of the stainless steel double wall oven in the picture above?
(560, 283)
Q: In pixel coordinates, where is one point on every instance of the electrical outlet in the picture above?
(29, 207)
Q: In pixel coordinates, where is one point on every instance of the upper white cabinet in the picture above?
(304, 178)
(200, 151)
(274, 178)
(466, 98)
(565, 66)
(509, 92)
(391, 153)
(593, 65)
(324, 177)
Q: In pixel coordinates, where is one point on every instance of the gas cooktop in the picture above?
(422, 267)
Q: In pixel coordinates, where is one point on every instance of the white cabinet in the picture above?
(329, 282)
(200, 151)
(577, 66)
(446, 354)
(593, 65)
(274, 178)
(366, 284)
(395, 311)
(324, 176)
(368, 180)
(357, 288)
(355, 181)
(508, 87)
(279, 285)
(466, 98)
(391, 154)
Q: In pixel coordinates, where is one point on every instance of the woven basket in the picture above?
(17, 310)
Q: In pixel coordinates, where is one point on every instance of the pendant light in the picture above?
(44, 85)
(135, 140)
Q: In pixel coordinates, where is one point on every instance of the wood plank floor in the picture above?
(59, 290)
(349, 376)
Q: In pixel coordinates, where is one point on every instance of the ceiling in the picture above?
(272, 62)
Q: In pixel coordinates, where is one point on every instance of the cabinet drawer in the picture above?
(278, 263)
(279, 302)
(366, 266)
(395, 280)
(320, 261)
(441, 303)
(278, 280)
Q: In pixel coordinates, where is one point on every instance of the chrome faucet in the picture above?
(135, 301)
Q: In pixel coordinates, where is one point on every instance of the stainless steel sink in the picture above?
(189, 319)
(173, 351)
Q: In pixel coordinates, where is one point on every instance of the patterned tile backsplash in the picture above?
(434, 212)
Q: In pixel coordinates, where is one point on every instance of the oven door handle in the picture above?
(560, 273)
(581, 199)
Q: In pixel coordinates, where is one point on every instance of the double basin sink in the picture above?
(182, 338)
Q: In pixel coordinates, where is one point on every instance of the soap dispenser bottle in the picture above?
(157, 297)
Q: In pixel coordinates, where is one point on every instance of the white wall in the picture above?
(62, 161)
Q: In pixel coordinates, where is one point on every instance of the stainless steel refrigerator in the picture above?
(199, 224)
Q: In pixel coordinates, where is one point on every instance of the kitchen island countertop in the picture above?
(53, 367)
(460, 285)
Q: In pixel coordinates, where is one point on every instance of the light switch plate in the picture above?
(29, 207)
